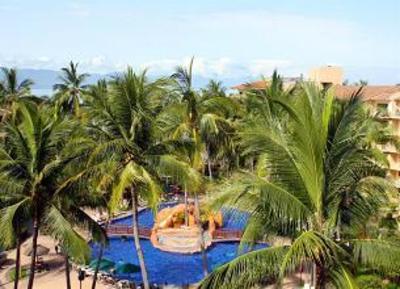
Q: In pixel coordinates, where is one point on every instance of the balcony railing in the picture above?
(387, 148)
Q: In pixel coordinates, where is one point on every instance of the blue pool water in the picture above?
(164, 267)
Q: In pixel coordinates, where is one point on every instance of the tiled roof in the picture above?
(369, 92)
(259, 84)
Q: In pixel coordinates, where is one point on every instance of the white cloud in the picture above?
(259, 67)
(223, 67)
(162, 65)
(97, 60)
(43, 59)
(41, 62)
(218, 67)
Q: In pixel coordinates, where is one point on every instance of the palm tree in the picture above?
(122, 124)
(214, 89)
(102, 178)
(202, 121)
(39, 159)
(11, 90)
(207, 119)
(318, 181)
(20, 224)
(69, 91)
(361, 82)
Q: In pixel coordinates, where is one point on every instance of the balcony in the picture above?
(395, 181)
(388, 148)
(384, 111)
(394, 162)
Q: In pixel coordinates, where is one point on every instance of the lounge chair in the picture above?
(3, 258)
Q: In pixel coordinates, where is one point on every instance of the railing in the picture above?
(226, 234)
(127, 230)
(218, 235)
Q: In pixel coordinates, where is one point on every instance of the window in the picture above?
(382, 109)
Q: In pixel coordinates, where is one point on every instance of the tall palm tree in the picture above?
(198, 120)
(122, 123)
(319, 179)
(102, 179)
(214, 89)
(20, 224)
(11, 90)
(206, 118)
(69, 92)
(39, 157)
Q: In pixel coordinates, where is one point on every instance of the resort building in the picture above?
(327, 76)
(383, 99)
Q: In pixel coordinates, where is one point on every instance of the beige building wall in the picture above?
(384, 99)
(388, 110)
(327, 75)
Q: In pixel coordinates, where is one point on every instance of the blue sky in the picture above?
(229, 38)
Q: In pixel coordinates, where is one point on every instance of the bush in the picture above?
(392, 286)
(23, 273)
(370, 282)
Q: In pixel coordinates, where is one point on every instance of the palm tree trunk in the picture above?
(96, 271)
(320, 276)
(209, 169)
(34, 249)
(17, 262)
(186, 208)
(139, 251)
(202, 245)
(67, 271)
(102, 245)
(209, 165)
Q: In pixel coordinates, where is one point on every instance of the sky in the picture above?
(228, 38)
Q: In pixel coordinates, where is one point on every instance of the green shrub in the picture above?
(392, 286)
(370, 282)
(23, 273)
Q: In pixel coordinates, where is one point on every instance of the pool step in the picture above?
(180, 240)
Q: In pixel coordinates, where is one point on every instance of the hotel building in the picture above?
(384, 100)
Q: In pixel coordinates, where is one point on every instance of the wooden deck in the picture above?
(124, 230)
(219, 235)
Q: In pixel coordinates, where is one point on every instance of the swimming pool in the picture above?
(165, 267)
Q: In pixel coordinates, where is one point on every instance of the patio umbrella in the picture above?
(40, 250)
(105, 264)
(126, 268)
(3, 257)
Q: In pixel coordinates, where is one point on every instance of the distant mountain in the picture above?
(44, 79)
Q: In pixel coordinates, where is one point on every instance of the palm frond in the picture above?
(247, 270)
(62, 229)
(380, 255)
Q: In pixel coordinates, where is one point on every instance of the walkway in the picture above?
(219, 235)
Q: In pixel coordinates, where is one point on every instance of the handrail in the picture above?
(219, 234)
(127, 230)
(227, 234)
